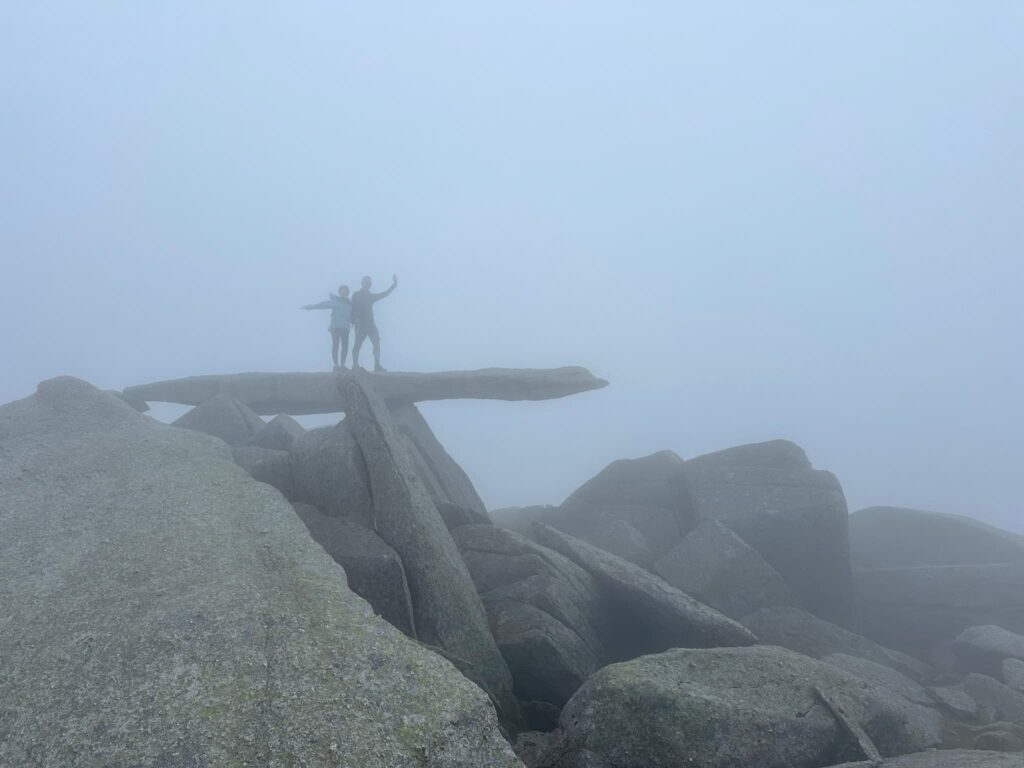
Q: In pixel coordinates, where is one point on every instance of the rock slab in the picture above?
(653, 614)
(307, 393)
(448, 612)
(717, 567)
(163, 609)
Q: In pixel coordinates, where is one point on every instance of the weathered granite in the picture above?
(652, 615)
(373, 570)
(723, 708)
(305, 393)
(160, 608)
(793, 515)
(447, 609)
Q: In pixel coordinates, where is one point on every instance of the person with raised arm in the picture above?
(366, 326)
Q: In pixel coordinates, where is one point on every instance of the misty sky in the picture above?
(757, 220)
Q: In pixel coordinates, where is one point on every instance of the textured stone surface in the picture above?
(447, 610)
(985, 648)
(622, 539)
(919, 707)
(893, 537)
(651, 615)
(1012, 671)
(162, 609)
(305, 393)
(329, 472)
(955, 699)
(444, 478)
(279, 433)
(268, 466)
(714, 565)
(373, 570)
(914, 608)
(722, 708)
(648, 493)
(1007, 703)
(544, 610)
(792, 514)
(455, 516)
(223, 417)
(953, 758)
(804, 633)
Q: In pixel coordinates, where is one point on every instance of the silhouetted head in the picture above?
(343, 291)
(367, 282)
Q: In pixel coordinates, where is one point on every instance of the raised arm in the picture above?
(384, 294)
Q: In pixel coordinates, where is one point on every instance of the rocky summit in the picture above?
(233, 590)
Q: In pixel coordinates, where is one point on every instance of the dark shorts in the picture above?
(338, 331)
(367, 332)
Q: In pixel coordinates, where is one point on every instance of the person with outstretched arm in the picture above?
(341, 317)
(362, 315)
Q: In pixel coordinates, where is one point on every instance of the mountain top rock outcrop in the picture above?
(161, 608)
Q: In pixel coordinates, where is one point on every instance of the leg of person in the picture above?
(344, 347)
(335, 338)
(357, 345)
(374, 335)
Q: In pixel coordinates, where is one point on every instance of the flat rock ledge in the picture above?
(308, 393)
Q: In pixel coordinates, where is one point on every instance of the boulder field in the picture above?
(230, 590)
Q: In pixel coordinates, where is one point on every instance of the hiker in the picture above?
(341, 317)
(362, 316)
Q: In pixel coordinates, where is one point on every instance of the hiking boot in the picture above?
(379, 368)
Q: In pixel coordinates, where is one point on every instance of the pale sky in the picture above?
(758, 220)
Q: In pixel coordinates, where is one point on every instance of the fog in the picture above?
(797, 220)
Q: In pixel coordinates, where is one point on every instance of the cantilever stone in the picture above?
(306, 393)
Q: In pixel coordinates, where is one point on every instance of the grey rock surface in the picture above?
(793, 515)
(223, 417)
(717, 567)
(722, 708)
(914, 608)
(444, 478)
(530, 747)
(162, 609)
(894, 537)
(306, 393)
(952, 758)
(917, 704)
(955, 700)
(447, 609)
(622, 539)
(279, 433)
(805, 633)
(455, 516)
(373, 570)
(546, 613)
(329, 472)
(1007, 703)
(984, 648)
(268, 466)
(1013, 674)
(651, 615)
(649, 494)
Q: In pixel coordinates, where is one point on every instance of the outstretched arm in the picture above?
(321, 305)
(385, 294)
